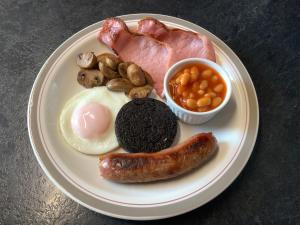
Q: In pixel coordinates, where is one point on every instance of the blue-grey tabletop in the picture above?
(263, 33)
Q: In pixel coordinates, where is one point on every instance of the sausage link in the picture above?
(168, 163)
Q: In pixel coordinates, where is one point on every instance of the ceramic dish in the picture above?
(77, 174)
(188, 116)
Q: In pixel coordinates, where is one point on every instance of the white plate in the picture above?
(77, 174)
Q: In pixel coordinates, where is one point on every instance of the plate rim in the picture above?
(69, 41)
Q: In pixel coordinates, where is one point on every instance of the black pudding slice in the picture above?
(145, 125)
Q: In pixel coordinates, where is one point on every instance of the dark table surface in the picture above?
(263, 33)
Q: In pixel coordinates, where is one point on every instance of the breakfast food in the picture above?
(122, 69)
(198, 88)
(145, 125)
(102, 117)
(115, 74)
(186, 44)
(140, 92)
(110, 60)
(107, 71)
(136, 75)
(86, 60)
(87, 120)
(90, 78)
(154, 55)
(169, 163)
(119, 84)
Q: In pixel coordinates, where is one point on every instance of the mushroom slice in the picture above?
(140, 92)
(107, 71)
(119, 84)
(90, 78)
(122, 69)
(136, 75)
(86, 60)
(110, 60)
(148, 78)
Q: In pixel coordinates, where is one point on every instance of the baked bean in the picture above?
(219, 88)
(204, 101)
(192, 95)
(206, 73)
(216, 101)
(180, 90)
(191, 103)
(178, 79)
(204, 84)
(201, 92)
(187, 70)
(195, 86)
(194, 69)
(215, 79)
(194, 77)
(203, 109)
(185, 94)
(194, 73)
(210, 94)
(185, 78)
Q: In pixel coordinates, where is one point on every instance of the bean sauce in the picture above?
(197, 88)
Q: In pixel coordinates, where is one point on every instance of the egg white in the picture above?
(107, 141)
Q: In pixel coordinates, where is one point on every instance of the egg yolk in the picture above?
(90, 121)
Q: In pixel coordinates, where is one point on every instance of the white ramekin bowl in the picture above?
(188, 116)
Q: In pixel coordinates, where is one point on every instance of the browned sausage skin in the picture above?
(168, 163)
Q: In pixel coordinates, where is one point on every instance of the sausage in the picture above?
(168, 163)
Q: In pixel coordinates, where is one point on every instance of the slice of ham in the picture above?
(186, 44)
(151, 55)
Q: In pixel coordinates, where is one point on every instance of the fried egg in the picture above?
(87, 120)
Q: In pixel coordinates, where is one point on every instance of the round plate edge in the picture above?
(128, 17)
